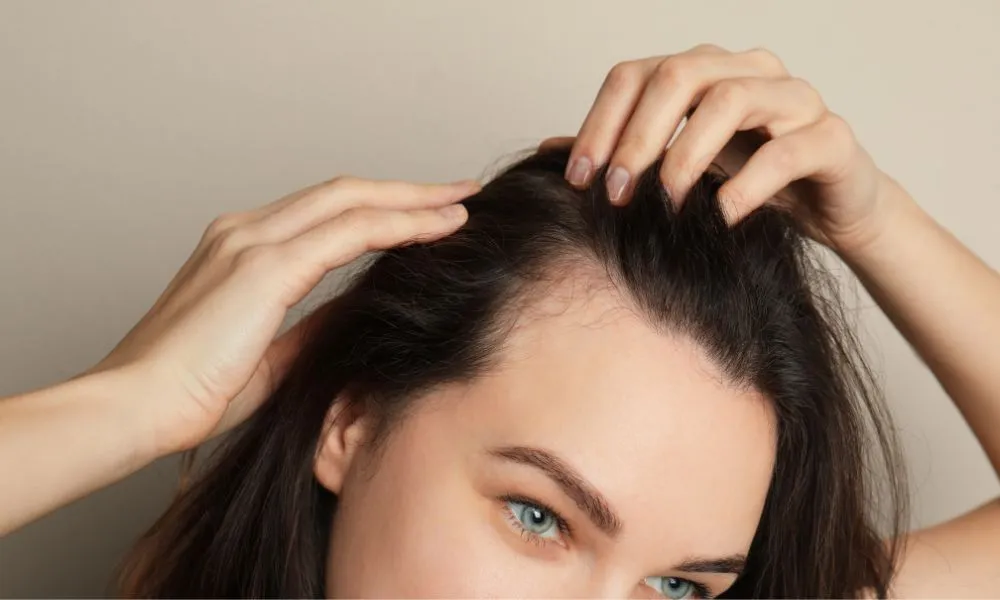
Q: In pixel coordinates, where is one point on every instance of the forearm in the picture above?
(946, 302)
(63, 442)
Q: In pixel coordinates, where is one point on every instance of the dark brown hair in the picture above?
(256, 523)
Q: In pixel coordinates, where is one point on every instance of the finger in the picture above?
(355, 232)
(554, 143)
(334, 243)
(615, 102)
(606, 119)
(817, 150)
(218, 227)
(393, 193)
(304, 209)
(778, 106)
(339, 195)
(676, 84)
(277, 359)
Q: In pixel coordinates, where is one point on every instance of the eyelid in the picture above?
(700, 589)
(564, 527)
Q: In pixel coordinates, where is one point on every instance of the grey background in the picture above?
(126, 126)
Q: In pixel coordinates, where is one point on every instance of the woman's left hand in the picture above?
(840, 197)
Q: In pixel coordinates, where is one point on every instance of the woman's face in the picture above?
(601, 458)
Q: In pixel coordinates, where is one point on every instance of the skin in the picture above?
(204, 357)
(589, 382)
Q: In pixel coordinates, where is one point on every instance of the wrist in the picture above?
(894, 209)
(118, 398)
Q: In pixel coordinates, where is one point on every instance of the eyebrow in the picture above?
(578, 489)
(597, 508)
(734, 564)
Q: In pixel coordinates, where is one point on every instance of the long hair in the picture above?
(256, 523)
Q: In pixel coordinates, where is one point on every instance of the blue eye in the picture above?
(536, 520)
(673, 587)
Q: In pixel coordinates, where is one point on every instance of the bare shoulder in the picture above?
(957, 558)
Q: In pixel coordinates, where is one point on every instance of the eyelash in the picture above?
(531, 536)
(565, 530)
(699, 589)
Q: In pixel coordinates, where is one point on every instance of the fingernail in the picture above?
(453, 211)
(617, 180)
(578, 171)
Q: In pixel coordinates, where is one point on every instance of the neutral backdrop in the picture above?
(126, 127)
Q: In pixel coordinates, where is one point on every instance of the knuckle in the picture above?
(231, 242)
(257, 259)
(768, 60)
(356, 218)
(367, 224)
(222, 223)
(672, 71)
(838, 128)
(708, 48)
(731, 95)
(839, 135)
(808, 91)
(340, 182)
(622, 76)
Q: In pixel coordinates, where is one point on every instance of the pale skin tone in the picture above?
(203, 358)
(586, 380)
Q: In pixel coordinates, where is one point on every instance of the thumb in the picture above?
(273, 367)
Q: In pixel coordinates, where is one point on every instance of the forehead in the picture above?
(643, 414)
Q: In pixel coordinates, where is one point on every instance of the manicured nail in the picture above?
(578, 171)
(617, 180)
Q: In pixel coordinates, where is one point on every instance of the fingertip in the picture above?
(618, 182)
(624, 199)
(455, 213)
(579, 171)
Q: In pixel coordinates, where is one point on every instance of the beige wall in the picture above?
(125, 127)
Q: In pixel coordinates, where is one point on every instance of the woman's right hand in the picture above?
(206, 351)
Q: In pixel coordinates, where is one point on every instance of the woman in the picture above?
(596, 387)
